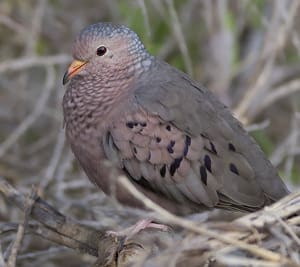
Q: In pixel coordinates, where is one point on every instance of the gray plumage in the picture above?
(170, 135)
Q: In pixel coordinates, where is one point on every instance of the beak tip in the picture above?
(73, 69)
(65, 78)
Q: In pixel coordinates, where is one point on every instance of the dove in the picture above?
(173, 139)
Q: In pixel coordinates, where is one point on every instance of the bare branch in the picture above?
(180, 37)
(34, 61)
(171, 218)
(276, 45)
(31, 118)
(64, 230)
(21, 231)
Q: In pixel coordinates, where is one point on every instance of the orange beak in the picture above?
(74, 68)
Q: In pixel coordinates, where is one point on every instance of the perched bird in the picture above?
(170, 135)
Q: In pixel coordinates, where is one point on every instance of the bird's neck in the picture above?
(91, 100)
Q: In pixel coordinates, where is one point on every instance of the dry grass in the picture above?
(246, 51)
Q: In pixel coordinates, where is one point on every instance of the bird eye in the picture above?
(101, 50)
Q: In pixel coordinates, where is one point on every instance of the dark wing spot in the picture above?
(187, 144)
(163, 170)
(175, 165)
(231, 147)
(233, 168)
(207, 163)
(143, 124)
(158, 139)
(136, 124)
(170, 147)
(172, 143)
(203, 174)
(130, 124)
(144, 182)
(188, 140)
(134, 150)
(168, 127)
(213, 148)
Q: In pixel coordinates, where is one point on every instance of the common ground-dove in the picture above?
(170, 135)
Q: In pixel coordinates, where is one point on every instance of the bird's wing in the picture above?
(184, 144)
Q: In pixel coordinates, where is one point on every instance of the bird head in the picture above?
(105, 47)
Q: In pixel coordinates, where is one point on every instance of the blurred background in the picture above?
(247, 52)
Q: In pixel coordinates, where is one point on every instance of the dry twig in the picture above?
(27, 122)
(65, 231)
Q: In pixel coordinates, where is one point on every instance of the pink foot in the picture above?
(139, 226)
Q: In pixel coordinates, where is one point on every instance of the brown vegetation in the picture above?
(247, 52)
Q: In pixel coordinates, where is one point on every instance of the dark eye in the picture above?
(101, 50)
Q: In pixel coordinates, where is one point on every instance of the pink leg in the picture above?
(147, 223)
(139, 226)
